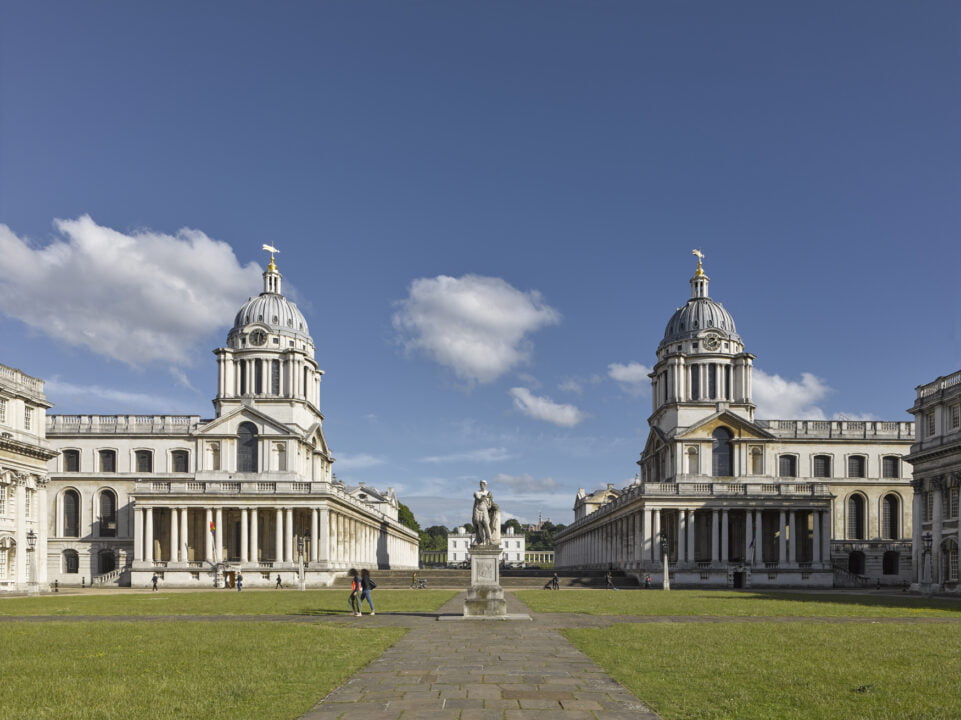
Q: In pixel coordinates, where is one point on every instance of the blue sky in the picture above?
(486, 212)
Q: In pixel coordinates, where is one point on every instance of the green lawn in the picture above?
(206, 670)
(221, 602)
(787, 670)
(736, 603)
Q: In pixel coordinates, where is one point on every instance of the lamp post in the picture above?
(300, 562)
(32, 548)
(665, 552)
(926, 539)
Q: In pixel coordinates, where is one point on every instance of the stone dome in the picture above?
(273, 310)
(700, 313)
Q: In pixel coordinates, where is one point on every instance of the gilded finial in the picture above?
(700, 257)
(272, 250)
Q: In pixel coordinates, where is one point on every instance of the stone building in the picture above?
(936, 457)
(24, 454)
(513, 547)
(741, 501)
(197, 501)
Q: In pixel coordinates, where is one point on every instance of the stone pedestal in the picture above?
(485, 596)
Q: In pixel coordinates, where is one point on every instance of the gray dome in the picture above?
(699, 314)
(275, 311)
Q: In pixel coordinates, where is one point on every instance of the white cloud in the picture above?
(543, 408)
(138, 297)
(633, 377)
(571, 385)
(476, 326)
(776, 397)
(361, 461)
(483, 455)
(128, 402)
(524, 483)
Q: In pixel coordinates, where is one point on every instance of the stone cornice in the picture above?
(27, 449)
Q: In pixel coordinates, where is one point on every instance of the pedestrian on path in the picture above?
(154, 580)
(279, 585)
(366, 585)
(555, 582)
(355, 588)
(610, 581)
(240, 582)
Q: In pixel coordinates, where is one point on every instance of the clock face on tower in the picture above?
(711, 341)
(258, 337)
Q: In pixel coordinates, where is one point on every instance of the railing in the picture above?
(109, 576)
(120, 424)
(22, 381)
(942, 383)
(862, 429)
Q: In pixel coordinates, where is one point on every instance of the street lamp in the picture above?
(926, 539)
(300, 562)
(31, 548)
(665, 552)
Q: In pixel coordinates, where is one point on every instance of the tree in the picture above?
(434, 538)
(406, 517)
(513, 523)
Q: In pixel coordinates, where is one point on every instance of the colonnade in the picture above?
(704, 537)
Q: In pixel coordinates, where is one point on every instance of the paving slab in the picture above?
(482, 671)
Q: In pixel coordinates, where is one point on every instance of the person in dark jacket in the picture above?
(366, 585)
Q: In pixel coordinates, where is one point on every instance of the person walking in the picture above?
(555, 582)
(240, 582)
(366, 585)
(610, 581)
(279, 584)
(154, 580)
(355, 588)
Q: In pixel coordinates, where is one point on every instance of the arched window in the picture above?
(108, 513)
(693, 467)
(71, 461)
(787, 466)
(275, 377)
(247, 447)
(106, 562)
(822, 466)
(856, 563)
(890, 563)
(144, 459)
(722, 455)
(695, 382)
(71, 562)
(213, 455)
(856, 517)
(71, 513)
(180, 459)
(890, 517)
(857, 466)
(108, 461)
(280, 450)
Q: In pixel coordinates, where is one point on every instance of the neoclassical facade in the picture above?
(936, 457)
(196, 501)
(24, 454)
(513, 547)
(740, 501)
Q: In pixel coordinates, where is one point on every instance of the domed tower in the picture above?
(701, 364)
(269, 358)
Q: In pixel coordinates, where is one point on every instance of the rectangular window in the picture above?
(108, 461)
(929, 426)
(891, 467)
(953, 502)
(27, 417)
(71, 461)
(26, 502)
(144, 461)
(822, 466)
(928, 506)
(695, 382)
(954, 413)
(856, 466)
(712, 381)
(787, 466)
(3, 410)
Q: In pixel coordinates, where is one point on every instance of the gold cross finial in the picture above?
(700, 257)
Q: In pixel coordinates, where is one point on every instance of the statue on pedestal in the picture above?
(486, 517)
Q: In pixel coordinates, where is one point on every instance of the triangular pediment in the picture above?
(743, 429)
(228, 423)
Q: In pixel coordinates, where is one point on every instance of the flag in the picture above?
(212, 526)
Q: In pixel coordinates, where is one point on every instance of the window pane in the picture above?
(787, 466)
(822, 466)
(856, 466)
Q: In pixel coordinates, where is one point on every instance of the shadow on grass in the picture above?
(905, 602)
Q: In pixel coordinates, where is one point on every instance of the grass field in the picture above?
(784, 670)
(210, 670)
(221, 602)
(737, 603)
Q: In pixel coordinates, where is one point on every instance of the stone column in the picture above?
(795, 538)
(279, 535)
(782, 539)
(174, 535)
(208, 536)
(655, 531)
(759, 536)
(314, 534)
(816, 550)
(826, 538)
(715, 540)
(289, 538)
(937, 520)
(748, 537)
(323, 535)
(148, 535)
(138, 534)
(691, 522)
(725, 550)
(916, 505)
(254, 535)
(219, 536)
(244, 537)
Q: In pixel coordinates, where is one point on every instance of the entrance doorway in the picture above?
(230, 579)
(739, 579)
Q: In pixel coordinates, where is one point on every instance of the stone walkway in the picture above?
(481, 670)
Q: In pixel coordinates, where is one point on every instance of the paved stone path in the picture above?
(481, 670)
